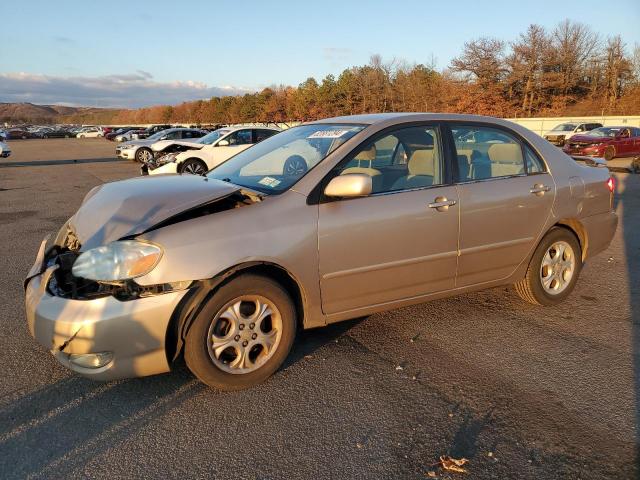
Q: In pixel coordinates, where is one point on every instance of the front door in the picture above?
(401, 241)
(505, 202)
(229, 146)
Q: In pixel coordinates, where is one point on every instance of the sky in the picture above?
(130, 54)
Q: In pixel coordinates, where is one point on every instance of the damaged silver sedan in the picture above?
(324, 222)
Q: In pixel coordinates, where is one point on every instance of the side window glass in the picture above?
(534, 164)
(485, 152)
(405, 159)
(241, 137)
(263, 134)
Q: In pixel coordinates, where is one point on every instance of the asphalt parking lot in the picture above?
(520, 391)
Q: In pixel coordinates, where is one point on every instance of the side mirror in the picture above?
(223, 143)
(349, 185)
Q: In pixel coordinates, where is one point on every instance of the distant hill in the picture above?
(15, 113)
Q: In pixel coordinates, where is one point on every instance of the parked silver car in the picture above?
(324, 222)
(140, 150)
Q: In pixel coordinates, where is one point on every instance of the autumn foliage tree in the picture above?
(569, 70)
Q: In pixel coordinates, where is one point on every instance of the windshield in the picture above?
(277, 163)
(604, 132)
(158, 135)
(209, 138)
(565, 127)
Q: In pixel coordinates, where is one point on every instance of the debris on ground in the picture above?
(453, 464)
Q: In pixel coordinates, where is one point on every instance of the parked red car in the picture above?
(607, 142)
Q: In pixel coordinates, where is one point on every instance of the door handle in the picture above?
(441, 204)
(539, 189)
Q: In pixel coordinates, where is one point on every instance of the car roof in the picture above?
(242, 127)
(400, 117)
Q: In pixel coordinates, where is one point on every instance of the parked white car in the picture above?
(198, 157)
(90, 132)
(5, 150)
(564, 131)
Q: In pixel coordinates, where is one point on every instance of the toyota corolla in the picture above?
(324, 222)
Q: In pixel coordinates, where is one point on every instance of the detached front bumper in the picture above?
(133, 331)
(171, 167)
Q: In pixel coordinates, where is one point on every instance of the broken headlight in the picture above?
(117, 261)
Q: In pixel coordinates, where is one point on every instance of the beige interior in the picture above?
(421, 163)
(368, 155)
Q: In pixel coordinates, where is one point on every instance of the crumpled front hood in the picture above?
(163, 144)
(119, 209)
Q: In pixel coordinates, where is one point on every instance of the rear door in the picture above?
(506, 195)
(401, 241)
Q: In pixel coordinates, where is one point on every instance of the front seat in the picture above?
(421, 171)
(368, 155)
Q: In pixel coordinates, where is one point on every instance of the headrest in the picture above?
(505, 153)
(368, 155)
(421, 163)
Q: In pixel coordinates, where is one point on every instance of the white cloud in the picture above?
(124, 90)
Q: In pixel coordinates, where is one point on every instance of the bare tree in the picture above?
(484, 59)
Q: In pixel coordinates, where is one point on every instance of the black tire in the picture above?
(530, 288)
(610, 153)
(194, 166)
(140, 152)
(196, 348)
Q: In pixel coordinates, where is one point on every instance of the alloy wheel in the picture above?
(557, 268)
(194, 168)
(244, 334)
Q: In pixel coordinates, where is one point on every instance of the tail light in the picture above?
(611, 184)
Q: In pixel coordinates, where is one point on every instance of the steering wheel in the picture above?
(294, 166)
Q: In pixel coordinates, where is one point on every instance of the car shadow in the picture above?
(308, 341)
(59, 428)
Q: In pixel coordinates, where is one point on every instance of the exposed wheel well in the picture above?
(575, 227)
(187, 309)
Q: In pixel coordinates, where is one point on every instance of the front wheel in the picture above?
(194, 167)
(144, 155)
(553, 270)
(242, 335)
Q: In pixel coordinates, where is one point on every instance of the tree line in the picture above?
(568, 70)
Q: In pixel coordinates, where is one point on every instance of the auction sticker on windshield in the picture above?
(328, 133)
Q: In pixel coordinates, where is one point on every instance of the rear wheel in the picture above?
(242, 335)
(194, 167)
(610, 153)
(553, 270)
(144, 155)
